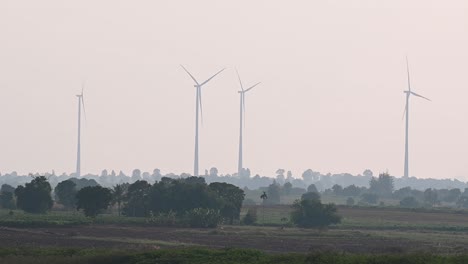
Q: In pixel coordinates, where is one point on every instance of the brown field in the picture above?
(364, 230)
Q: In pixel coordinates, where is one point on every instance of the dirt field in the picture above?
(377, 231)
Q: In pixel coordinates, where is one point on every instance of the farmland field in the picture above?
(363, 230)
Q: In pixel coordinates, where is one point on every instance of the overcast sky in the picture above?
(331, 98)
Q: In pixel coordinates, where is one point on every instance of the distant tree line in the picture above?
(190, 199)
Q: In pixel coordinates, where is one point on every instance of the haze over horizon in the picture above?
(331, 97)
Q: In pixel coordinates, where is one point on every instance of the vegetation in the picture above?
(312, 213)
(35, 196)
(211, 256)
(65, 193)
(93, 200)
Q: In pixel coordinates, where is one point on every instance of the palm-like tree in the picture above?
(264, 197)
(118, 195)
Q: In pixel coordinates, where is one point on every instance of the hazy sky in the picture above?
(331, 98)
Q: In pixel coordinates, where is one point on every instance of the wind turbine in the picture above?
(408, 93)
(199, 108)
(242, 121)
(78, 154)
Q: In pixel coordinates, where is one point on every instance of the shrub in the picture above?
(203, 217)
(313, 196)
(369, 198)
(7, 200)
(251, 217)
(312, 213)
(350, 201)
(409, 202)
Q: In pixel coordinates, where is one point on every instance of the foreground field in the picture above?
(207, 256)
(364, 230)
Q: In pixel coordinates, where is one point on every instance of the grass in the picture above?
(209, 256)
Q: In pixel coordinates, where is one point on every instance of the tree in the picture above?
(453, 195)
(264, 198)
(383, 185)
(274, 193)
(368, 173)
(312, 213)
(35, 196)
(280, 175)
(93, 200)
(287, 187)
(251, 217)
(118, 196)
(409, 202)
(7, 188)
(430, 197)
(311, 196)
(350, 201)
(370, 198)
(214, 172)
(312, 188)
(232, 198)
(65, 193)
(351, 190)
(337, 189)
(7, 200)
(137, 200)
(310, 175)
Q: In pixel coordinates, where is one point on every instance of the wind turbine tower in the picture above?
(242, 122)
(78, 154)
(198, 112)
(408, 93)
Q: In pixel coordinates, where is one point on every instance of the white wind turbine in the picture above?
(242, 122)
(408, 94)
(78, 154)
(199, 108)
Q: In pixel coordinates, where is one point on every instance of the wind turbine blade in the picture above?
(252, 87)
(191, 76)
(212, 77)
(408, 72)
(418, 95)
(238, 76)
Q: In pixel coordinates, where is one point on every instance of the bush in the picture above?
(312, 213)
(251, 217)
(369, 198)
(165, 219)
(350, 201)
(203, 217)
(313, 196)
(409, 202)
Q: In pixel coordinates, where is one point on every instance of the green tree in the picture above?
(383, 185)
(65, 193)
(93, 200)
(7, 200)
(312, 188)
(430, 197)
(369, 198)
(287, 187)
(313, 196)
(251, 217)
(35, 196)
(137, 199)
(312, 213)
(264, 198)
(350, 201)
(409, 202)
(274, 194)
(118, 196)
(7, 188)
(232, 198)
